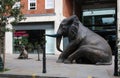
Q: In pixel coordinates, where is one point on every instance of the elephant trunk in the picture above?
(58, 40)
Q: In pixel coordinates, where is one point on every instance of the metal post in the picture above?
(38, 51)
(116, 63)
(116, 50)
(44, 59)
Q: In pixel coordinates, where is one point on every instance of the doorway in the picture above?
(35, 30)
(30, 39)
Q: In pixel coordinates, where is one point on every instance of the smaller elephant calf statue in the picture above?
(84, 46)
(24, 53)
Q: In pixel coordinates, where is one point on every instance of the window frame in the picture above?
(49, 5)
(30, 7)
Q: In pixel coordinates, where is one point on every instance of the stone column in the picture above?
(9, 40)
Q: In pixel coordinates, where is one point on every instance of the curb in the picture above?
(25, 76)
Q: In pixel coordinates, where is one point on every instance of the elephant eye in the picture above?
(64, 27)
(76, 23)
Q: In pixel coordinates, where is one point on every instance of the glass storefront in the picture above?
(99, 19)
(102, 21)
(35, 32)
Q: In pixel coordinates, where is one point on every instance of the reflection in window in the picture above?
(99, 18)
(108, 20)
(88, 20)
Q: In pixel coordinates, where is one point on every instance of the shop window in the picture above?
(32, 4)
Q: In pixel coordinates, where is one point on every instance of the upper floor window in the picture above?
(32, 4)
(49, 4)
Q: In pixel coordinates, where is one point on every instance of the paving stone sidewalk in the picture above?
(31, 68)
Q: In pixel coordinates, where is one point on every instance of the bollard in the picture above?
(116, 63)
(44, 59)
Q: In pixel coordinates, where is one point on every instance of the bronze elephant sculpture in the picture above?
(84, 46)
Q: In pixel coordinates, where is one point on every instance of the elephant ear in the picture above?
(73, 30)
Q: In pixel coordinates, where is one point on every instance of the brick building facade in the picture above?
(44, 16)
(37, 8)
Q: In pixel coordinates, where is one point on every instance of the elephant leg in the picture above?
(94, 55)
(60, 59)
(68, 51)
(64, 55)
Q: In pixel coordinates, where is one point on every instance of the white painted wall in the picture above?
(9, 40)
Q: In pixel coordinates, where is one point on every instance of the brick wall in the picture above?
(40, 8)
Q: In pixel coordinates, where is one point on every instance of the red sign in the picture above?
(21, 33)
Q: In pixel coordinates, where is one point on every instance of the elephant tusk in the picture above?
(54, 35)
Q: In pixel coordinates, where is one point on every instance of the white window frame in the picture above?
(49, 4)
(32, 1)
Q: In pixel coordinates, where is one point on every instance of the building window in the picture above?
(32, 4)
(49, 4)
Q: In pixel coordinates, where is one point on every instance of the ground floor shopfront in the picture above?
(32, 33)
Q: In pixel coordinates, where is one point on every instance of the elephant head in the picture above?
(67, 28)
